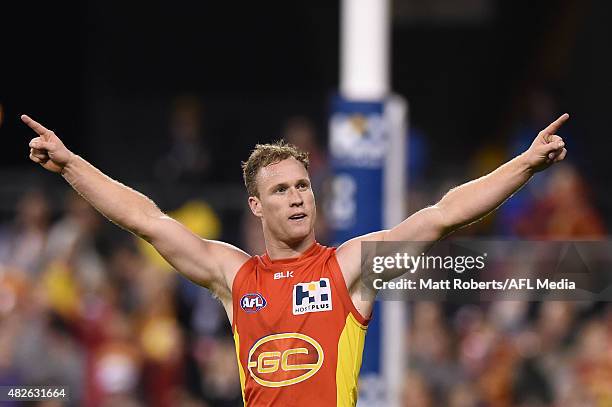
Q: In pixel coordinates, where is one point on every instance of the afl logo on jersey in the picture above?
(252, 302)
(280, 360)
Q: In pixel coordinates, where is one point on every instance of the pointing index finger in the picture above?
(34, 125)
(554, 126)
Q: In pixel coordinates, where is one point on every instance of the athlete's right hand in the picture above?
(47, 149)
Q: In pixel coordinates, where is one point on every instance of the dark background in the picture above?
(105, 75)
(102, 74)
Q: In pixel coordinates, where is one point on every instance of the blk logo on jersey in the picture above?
(252, 302)
(312, 297)
(283, 274)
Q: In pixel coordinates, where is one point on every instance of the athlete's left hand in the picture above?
(547, 148)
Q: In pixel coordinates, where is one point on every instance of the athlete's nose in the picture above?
(295, 198)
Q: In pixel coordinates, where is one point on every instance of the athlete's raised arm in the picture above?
(208, 263)
(466, 203)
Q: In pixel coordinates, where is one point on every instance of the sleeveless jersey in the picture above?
(299, 339)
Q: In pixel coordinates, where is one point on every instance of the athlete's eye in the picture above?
(303, 185)
(281, 189)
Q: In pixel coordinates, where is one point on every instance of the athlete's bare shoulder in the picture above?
(348, 255)
(208, 263)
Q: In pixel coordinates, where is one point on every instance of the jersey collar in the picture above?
(311, 252)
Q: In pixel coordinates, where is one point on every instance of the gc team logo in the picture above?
(252, 302)
(284, 359)
(312, 297)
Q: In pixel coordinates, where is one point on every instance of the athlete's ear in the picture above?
(255, 205)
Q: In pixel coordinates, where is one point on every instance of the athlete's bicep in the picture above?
(349, 257)
(426, 225)
(206, 262)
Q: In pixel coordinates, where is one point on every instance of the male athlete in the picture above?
(298, 312)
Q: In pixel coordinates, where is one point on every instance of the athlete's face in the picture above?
(286, 202)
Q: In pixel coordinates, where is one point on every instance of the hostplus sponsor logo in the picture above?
(314, 296)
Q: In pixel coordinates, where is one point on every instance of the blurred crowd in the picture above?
(93, 309)
(89, 306)
(517, 353)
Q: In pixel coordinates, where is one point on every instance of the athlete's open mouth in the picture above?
(297, 216)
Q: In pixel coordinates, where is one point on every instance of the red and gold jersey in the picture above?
(299, 339)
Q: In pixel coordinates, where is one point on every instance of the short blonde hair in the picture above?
(267, 154)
